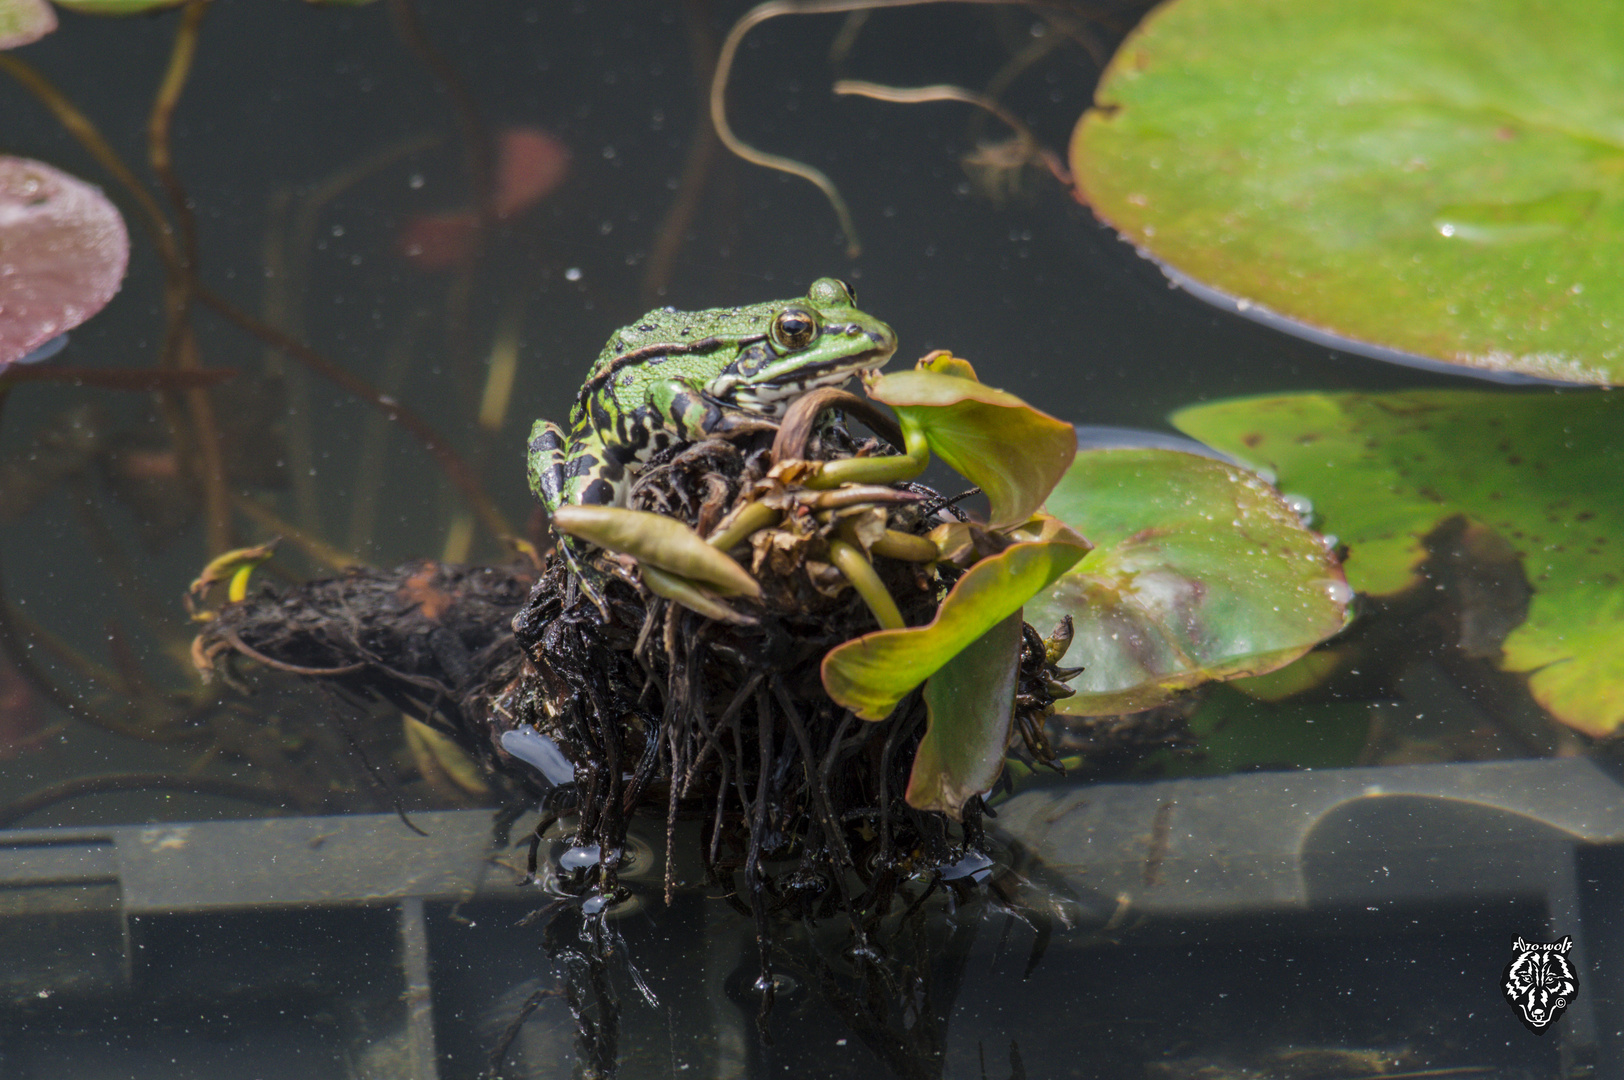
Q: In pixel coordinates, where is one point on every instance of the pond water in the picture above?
(325, 157)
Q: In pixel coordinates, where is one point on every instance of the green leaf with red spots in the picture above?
(1200, 571)
(1444, 179)
(1544, 469)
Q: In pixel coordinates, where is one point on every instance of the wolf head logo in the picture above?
(1539, 982)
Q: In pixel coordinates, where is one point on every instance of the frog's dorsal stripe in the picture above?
(654, 354)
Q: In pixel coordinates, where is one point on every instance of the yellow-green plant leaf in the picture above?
(1543, 469)
(1200, 571)
(659, 541)
(24, 21)
(871, 674)
(998, 442)
(1439, 178)
(969, 703)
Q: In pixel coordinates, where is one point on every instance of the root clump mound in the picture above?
(664, 712)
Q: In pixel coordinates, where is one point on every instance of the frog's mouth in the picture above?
(770, 397)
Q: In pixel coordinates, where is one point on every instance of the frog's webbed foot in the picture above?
(592, 581)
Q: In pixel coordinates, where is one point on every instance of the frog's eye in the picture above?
(851, 293)
(794, 328)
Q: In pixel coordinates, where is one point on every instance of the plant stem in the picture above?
(849, 560)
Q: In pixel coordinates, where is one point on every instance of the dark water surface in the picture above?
(306, 140)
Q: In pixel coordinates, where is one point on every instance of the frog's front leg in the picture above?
(693, 414)
(546, 463)
(559, 471)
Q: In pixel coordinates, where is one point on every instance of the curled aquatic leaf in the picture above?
(63, 250)
(969, 704)
(871, 674)
(235, 567)
(943, 362)
(998, 442)
(23, 22)
(659, 541)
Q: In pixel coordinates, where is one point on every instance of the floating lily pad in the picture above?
(63, 249)
(1543, 469)
(24, 21)
(1442, 179)
(969, 702)
(1200, 571)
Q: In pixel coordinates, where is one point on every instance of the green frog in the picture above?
(680, 376)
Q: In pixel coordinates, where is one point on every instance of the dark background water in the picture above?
(1046, 302)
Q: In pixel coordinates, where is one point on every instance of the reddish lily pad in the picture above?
(63, 250)
(24, 21)
(1542, 469)
(995, 440)
(970, 703)
(871, 674)
(1200, 571)
(1441, 179)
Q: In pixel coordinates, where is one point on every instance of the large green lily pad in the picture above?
(1544, 469)
(1444, 179)
(1200, 571)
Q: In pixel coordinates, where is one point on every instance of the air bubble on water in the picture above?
(579, 857)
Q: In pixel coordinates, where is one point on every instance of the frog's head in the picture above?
(821, 340)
